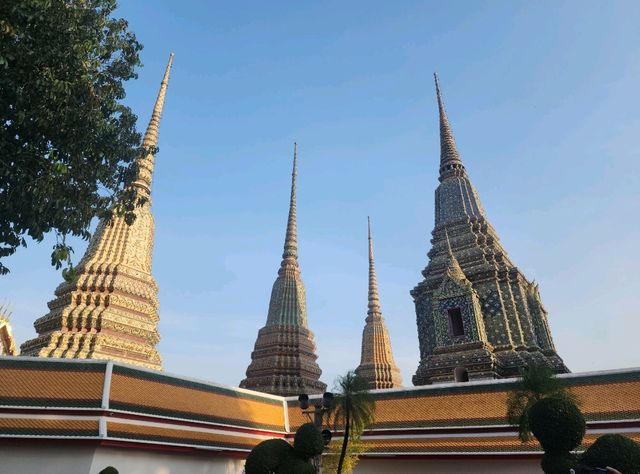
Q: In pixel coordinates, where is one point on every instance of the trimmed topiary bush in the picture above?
(558, 463)
(614, 450)
(295, 465)
(265, 457)
(109, 470)
(308, 441)
(558, 425)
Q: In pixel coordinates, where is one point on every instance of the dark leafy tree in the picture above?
(613, 450)
(353, 410)
(276, 455)
(109, 470)
(67, 143)
(537, 382)
(308, 442)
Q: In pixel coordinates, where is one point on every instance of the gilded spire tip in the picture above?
(150, 141)
(374, 297)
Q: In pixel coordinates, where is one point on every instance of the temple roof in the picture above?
(123, 405)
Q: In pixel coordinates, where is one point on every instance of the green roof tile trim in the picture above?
(71, 433)
(113, 434)
(48, 402)
(37, 363)
(203, 386)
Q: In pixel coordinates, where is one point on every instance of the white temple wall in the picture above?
(31, 458)
(70, 458)
(130, 461)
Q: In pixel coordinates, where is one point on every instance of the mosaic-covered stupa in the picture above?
(283, 361)
(377, 364)
(110, 311)
(477, 314)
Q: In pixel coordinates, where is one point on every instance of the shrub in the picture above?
(558, 424)
(614, 450)
(265, 457)
(109, 470)
(558, 463)
(308, 441)
(295, 465)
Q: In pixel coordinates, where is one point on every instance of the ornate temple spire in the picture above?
(291, 237)
(488, 322)
(374, 297)
(377, 364)
(283, 361)
(150, 141)
(288, 303)
(448, 151)
(111, 310)
(456, 198)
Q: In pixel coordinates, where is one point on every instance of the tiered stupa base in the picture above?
(284, 362)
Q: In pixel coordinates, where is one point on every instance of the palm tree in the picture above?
(537, 382)
(353, 409)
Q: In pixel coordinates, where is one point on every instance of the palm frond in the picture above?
(537, 382)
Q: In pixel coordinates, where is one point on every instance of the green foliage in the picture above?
(557, 423)
(614, 450)
(265, 457)
(330, 460)
(537, 382)
(353, 410)
(308, 441)
(558, 463)
(295, 465)
(67, 143)
(109, 470)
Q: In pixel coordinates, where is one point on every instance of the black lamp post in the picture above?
(318, 411)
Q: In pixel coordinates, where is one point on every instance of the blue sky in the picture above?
(543, 100)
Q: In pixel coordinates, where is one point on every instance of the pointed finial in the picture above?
(448, 151)
(446, 235)
(150, 141)
(291, 238)
(453, 266)
(374, 298)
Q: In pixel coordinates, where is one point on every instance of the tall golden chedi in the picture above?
(111, 310)
(7, 342)
(377, 365)
(283, 361)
